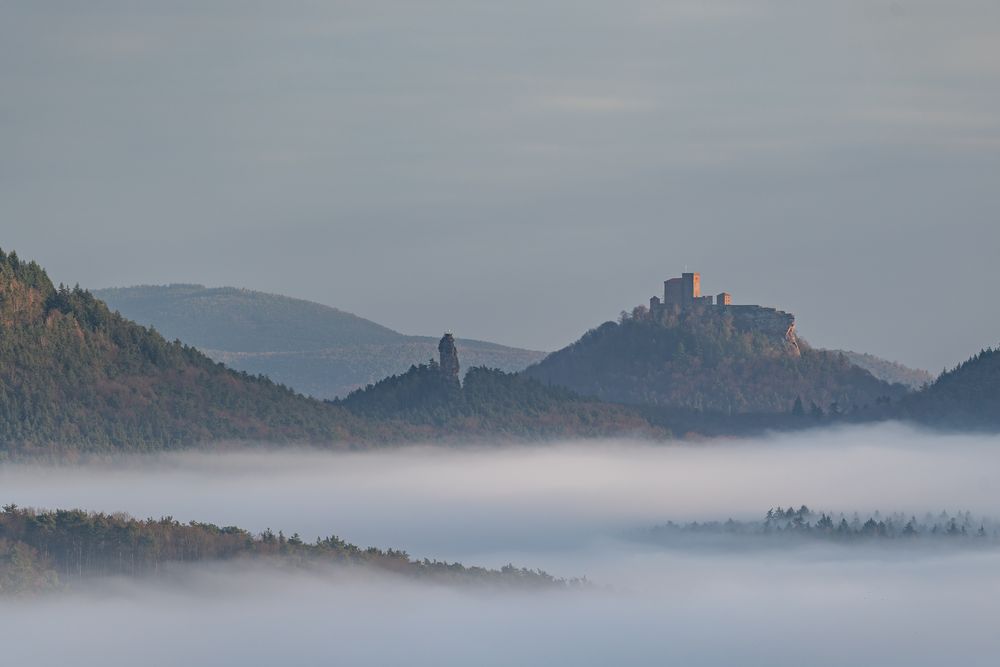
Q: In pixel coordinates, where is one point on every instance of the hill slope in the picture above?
(316, 349)
(710, 359)
(966, 397)
(75, 375)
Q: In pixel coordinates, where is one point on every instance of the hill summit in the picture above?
(707, 353)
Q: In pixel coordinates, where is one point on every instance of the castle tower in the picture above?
(692, 285)
(449, 357)
(673, 292)
(684, 291)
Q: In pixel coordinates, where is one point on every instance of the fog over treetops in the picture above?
(568, 509)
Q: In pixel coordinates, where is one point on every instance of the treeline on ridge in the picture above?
(43, 550)
(489, 402)
(805, 523)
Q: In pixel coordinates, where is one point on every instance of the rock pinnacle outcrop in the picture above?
(449, 358)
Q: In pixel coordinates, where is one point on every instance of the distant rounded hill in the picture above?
(316, 349)
(888, 371)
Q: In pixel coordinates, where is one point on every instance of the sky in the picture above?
(520, 171)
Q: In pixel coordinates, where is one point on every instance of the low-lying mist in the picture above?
(471, 503)
(567, 508)
(694, 610)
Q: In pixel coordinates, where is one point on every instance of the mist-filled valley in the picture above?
(572, 509)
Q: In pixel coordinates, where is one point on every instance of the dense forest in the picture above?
(43, 550)
(317, 350)
(75, 375)
(701, 361)
(966, 397)
(490, 402)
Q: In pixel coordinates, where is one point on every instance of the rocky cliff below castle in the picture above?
(773, 329)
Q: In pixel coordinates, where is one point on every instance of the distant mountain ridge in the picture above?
(316, 349)
(888, 371)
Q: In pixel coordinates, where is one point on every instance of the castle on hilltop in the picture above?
(685, 292)
(683, 295)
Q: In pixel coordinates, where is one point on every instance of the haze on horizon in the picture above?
(521, 171)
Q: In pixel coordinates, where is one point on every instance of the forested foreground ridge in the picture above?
(701, 359)
(46, 550)
(75, 375)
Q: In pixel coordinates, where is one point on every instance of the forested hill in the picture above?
(75, 375)
(317, 350)
(491, 403)
(701, 360)
(42, 551)
(966, 397)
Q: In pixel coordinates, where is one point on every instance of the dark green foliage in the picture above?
(317, 350)
(37, 549)
(421, 394)
(490, 402)
(77, 377)
(966, 397)
(23, 569)
(74, 375)
(702, 361)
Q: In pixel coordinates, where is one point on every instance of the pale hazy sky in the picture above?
(520, 171)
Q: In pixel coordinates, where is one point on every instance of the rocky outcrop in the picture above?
(449, 358)
(773, 323)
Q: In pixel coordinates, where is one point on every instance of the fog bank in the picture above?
(567, 508)
(474, 503)
(705, 610)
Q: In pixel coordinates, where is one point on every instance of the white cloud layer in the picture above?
(565, 508)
